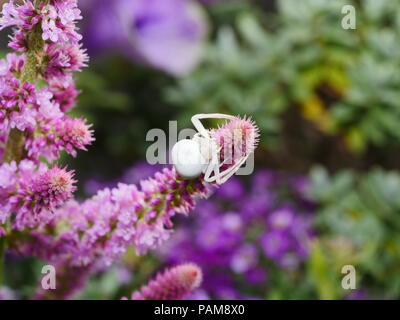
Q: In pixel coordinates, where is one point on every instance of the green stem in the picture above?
(3, 245)
(15, 146)
(14, 150)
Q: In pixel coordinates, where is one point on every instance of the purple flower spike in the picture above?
(174, 284)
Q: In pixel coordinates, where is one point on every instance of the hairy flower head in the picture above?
(173, 284)
(52, 188)
(75, 134)
(237, 138)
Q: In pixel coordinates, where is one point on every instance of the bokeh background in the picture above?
(326, 188)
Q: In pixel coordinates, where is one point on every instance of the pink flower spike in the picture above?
(75, 134)
(173, 284)
(52, 188)
(237, 138)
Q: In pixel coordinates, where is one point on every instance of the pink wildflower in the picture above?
(64, 91)
(173, 284)
(32, 193)
(57, 21)
(59, 134)
(64, 59)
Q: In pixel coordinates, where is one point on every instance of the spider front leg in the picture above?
(213, 166)
(226, 174)
(196, 120)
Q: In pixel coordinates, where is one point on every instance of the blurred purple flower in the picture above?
(166, 34)
(134, 175)
(257, 205)
(124, 275)
(244, 258)
(199, 294)
(256, 275)
(275, 244)
(281, 218)
(92, 186)
(263, 179)
(233, 190)
(357, 295)
(219, 234)
(140, 171)
(7, 294)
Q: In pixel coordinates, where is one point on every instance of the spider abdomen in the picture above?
(188, 159)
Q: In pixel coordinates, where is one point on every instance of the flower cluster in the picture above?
(31, 193)
(52, 136)
(242, 239)
(37, 215)
(55, 18)
(55, 22)
(37, 89)
(99, 230)
(22, 105)
(173, 284)
(46, 34)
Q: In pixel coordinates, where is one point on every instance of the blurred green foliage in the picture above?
(359, 223)
(344, 81)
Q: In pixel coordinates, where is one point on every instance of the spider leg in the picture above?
(213, 167)
(222, 177)
(226, 174)
(196, 120)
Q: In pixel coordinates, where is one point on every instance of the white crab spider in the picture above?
(192, 157)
